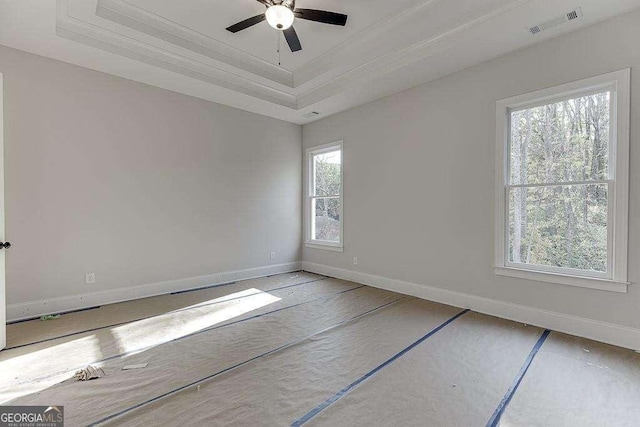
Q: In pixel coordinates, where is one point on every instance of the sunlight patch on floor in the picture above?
(161, 329)
(23, 371)
(32, 365)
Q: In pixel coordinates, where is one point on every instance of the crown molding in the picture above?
(149, 23)
(366, 57)
(90, 34)
(330, 59)
(427, 40)
(395, 60)
(136, 18)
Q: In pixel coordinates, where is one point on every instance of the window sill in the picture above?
(324, 247)
(563, 279)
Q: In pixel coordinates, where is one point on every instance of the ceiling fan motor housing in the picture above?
(291, 4)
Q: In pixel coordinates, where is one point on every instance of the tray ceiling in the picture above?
(210, 18)
(387, 46)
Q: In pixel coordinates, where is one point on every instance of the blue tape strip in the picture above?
(315, 411)
(149, 317)
(237, 365)
(138, 350)
(495, 418)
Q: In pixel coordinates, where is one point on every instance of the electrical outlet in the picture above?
(90, 278)
(272, 255)
(355, 260)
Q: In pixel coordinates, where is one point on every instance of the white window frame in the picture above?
(309, 241)
(615, 279)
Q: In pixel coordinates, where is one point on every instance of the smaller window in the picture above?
(324, 201)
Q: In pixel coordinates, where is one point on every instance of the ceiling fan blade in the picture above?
(265, 2)
(321, 16)
(242, 25)
(292, 39)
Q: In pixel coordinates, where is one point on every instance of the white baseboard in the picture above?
(622, 336)
(32, 309)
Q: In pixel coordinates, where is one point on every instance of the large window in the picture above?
(563, 184)
(324, 201)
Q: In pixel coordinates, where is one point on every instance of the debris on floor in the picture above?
(49, 317)
(586, 350)
(137, 366)
(89, 373)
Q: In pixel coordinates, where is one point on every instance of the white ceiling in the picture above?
(387, 46)
(211, 17)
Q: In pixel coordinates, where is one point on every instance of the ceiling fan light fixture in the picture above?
(279, 17)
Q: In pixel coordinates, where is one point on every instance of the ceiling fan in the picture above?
(280, 15)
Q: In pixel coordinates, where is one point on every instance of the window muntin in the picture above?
(559, 184)
(325, 196)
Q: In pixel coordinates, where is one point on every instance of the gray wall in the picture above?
(419, 174)
(137, 184)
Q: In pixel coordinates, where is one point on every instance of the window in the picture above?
(324, 201)
(562, 184)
